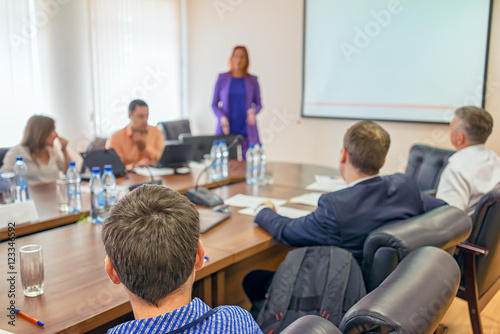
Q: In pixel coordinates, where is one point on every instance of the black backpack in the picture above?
(320, 280)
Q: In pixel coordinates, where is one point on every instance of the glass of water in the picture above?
(62, 194)
(31, 265)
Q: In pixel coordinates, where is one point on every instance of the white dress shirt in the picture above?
(470, 173)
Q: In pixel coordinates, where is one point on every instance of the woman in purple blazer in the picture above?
(236, 100)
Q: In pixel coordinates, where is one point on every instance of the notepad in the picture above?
(282, 210)
(327, 183)
(153, 171)
(307, 199)
(247, 201)
(18, 213)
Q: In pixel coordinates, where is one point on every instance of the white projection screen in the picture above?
(398, 60)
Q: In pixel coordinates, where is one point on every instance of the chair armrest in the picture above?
(184, 135)
(384, 248)
(311, 324)
(430, 192)
(467, 247)
(443, 227)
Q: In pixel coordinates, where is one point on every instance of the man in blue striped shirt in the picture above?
(152, 243)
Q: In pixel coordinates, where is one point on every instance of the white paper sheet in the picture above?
(5, 332)
(327, 183)
(198, 165)
(85, 188)
(282, 210)
(18, 212)
(247, 201)
(148, 171)
(307, 199)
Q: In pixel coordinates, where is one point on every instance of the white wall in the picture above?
(72, 74)
(272, 30)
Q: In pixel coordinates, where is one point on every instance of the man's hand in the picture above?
(143, 162)
(139, 137)
(224, 123)
(251, 116)
(270, 204)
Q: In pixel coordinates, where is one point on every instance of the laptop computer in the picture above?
(99, 158)
(176, 156)
(210, 219)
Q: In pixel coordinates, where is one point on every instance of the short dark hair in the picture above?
(135, 103)
(475, 122)
(151, 237)
(367, 144)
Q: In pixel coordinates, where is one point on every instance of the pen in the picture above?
(24, 315)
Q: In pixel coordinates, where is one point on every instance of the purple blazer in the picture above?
(220, 103)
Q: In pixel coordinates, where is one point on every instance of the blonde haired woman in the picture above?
(37, 150)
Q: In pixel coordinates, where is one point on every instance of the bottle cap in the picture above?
(216, 142)
(252, 145)
(108, 168)
(222, 141)
(96, 170)
(72, 164)
(19, 158)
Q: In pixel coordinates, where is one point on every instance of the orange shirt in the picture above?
(129, 151)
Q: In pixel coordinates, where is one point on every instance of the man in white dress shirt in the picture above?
(474, 170)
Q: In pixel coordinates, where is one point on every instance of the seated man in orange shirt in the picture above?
(138, 143)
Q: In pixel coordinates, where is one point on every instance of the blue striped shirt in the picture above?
(226, 319)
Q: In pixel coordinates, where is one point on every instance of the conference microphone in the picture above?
(203, 196)
(153, 181)
(236, 140)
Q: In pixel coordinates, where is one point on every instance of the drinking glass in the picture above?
(31, 265)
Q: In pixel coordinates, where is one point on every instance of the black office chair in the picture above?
(413, 299)
(99, 143)
(425, 165)
(3, 152)
(172, 129)
(480, 258)
(203, 144)
(444, 227)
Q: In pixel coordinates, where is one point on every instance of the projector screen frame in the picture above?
(484, 83)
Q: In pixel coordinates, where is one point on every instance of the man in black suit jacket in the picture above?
(345, 218)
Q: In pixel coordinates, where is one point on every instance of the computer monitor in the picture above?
(99, 158)
(176, 156)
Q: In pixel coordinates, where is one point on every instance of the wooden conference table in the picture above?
(79, 296)
(44, 196)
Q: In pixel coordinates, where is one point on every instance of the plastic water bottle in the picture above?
(109, 182)
(249, 157)
(214, 171)
(97, 204)
(74, 185)
(224, 159)
(21, 180)
(262, 166)
(256, 163)
(218, 159)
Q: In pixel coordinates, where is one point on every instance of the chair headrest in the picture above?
(311, 324)
(413, 298)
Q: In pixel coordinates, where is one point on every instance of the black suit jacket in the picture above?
(345, 218)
